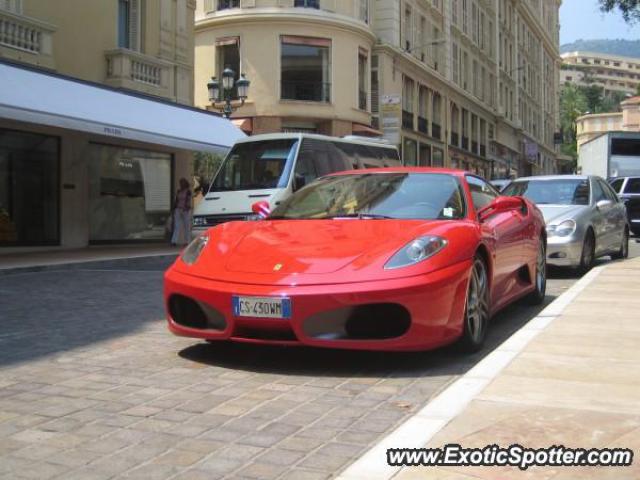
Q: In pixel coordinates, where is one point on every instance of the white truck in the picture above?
(271, 167)
(614, 154)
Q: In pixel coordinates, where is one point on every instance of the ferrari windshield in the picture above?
(255, 165)
(424, 196)
(570, 191)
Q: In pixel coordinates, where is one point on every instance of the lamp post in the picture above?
(221, 99)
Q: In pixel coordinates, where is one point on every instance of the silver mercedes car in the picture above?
(584, 216)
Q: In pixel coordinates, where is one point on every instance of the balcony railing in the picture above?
(407, 120)
(135, 71)
(483, 151)
(26, 35)
(465, 142)
(306, 91)
(455, 138)
(423, 125)
(436, 130)
(362, 99)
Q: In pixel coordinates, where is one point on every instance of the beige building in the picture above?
(466, 83)
(613, 73)
(595, 125)
(96, 125)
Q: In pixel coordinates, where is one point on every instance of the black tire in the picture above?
(588, 253)
(540, 276)
(476, 312)
(624, 247)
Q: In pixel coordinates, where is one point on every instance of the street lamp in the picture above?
(221, 98)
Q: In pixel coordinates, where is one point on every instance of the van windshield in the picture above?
(255, 165)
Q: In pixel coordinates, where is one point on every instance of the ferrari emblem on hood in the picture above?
(277, 267)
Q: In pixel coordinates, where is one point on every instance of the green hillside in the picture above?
(627, 48)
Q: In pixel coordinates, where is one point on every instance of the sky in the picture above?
(582, 19)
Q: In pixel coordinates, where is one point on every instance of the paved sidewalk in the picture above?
(109, 256)
(575, 384)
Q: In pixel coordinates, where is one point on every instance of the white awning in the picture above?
(47, 99)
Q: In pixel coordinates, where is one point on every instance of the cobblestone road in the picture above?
(92, 386)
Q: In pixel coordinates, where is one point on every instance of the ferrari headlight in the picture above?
(564, 229)
(195, 248)
(416, 251)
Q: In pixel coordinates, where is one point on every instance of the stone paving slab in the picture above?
(93, 386)
(575, 384)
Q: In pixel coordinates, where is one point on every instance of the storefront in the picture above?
(84, 164)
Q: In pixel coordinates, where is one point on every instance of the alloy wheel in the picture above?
(477, 311)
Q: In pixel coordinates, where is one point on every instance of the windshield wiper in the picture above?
(361, 216)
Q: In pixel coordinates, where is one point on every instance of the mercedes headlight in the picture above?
(563, 229)
(416, 251)
(195, 248)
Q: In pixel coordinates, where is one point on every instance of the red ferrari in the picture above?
(380, 259)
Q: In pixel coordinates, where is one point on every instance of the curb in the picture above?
(163, 259)
(420, 428)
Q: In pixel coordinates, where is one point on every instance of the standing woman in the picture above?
(182, 214)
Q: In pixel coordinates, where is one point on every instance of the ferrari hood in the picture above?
(311, 246)
(314, 252)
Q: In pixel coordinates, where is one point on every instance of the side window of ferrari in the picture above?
(482, 194)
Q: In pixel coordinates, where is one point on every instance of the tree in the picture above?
(573, 104)
(630, 9)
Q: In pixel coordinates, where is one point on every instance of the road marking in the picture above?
(420, 428)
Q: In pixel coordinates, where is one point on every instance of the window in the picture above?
(633, 186)
(482, 194)
(307, 3)
(129, 193)
(227, 4)
(228, 55)
(128, 24)
(408, 28)
(29, 189)
(598, 192)
(362, 80)
(306, 69)
(364, 11)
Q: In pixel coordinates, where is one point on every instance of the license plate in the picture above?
(262, 307)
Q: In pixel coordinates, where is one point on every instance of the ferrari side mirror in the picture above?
(500, 205)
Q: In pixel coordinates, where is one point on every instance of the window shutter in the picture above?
(134, 24)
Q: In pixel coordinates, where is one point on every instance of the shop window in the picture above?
(410, 152)
(129, 194)
(29, 189)
(306, 69)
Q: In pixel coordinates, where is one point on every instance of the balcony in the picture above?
(455, 139)
(474, 147)
(483, 151)
(407, 120)
(26, 40)
(465, 142)
(131, 70)
(362, 99)
(436, 131)
(306, 91)
(423, 125)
